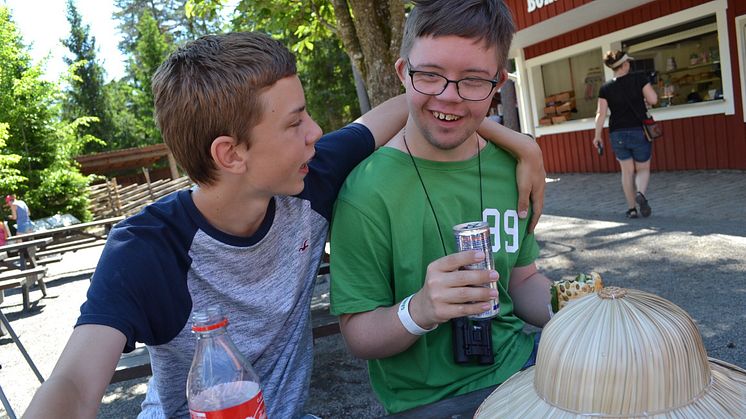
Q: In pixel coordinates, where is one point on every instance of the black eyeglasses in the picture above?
(469, 88)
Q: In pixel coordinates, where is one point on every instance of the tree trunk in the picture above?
(362, 95)
(372, 40)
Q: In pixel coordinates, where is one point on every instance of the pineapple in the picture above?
(582, 285)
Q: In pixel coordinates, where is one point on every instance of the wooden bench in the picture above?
(24, 279)
(135, 364)
(71, 238)
(10, 284)
(324, 323)
(53, 257)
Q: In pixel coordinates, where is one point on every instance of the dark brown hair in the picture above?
(487, 21)
(612, 57)
(211, 87)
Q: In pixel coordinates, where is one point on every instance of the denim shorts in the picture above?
(532, 359)
(24, 228)
(631, 143)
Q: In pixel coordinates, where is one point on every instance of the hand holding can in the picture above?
(476, 236)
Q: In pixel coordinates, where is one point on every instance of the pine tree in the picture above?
(151, 48)
(85, 95)
(36, 146)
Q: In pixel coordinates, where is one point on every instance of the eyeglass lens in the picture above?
(435, 84)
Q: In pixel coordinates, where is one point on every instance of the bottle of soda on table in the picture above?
(221, 383)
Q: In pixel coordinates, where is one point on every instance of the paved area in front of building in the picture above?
(697, 198)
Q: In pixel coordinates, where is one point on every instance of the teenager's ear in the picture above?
(503, 79)
(401, 69)
(228, 155)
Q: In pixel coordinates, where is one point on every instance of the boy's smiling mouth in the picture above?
(445, 116)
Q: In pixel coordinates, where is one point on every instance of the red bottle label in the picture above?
(250, 409)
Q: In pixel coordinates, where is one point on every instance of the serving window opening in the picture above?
(682, 62)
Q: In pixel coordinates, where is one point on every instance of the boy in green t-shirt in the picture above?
(396, 281)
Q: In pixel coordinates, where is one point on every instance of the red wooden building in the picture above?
(693, 50)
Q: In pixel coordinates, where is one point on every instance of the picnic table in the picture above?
(7, 327)
(26, 251)
(27, 272)
(74, 236)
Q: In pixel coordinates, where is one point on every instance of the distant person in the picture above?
(496, 117)
(494, 111)
(20, 213)
(4, 233)
(625, 96)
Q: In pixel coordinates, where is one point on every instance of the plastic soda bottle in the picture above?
(221, 383)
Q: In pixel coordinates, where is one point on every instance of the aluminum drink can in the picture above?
(476, 236)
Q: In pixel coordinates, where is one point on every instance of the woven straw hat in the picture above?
(621, 353)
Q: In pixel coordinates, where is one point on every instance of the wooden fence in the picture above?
(110, 200)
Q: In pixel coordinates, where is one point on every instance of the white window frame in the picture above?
(741, 45)
(613, 41)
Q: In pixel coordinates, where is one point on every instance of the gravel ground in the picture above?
(692, 251)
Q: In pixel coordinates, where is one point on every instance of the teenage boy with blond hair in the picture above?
(396, 278)
(249, 237)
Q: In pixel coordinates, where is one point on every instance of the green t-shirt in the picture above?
(382, 239)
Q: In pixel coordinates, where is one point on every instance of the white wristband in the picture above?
(408, 322)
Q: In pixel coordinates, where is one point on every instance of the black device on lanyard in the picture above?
(472, 338)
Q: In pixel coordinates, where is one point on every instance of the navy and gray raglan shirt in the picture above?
(163, 263)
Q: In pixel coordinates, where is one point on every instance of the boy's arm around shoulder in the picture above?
(530, 173)
(386, 119)
(81, 375)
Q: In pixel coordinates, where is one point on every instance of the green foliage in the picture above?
(27, 106)
(85, 94)
(151, 48)
(203, 17)
(175, 18)
(326, 73)
(36, 147)
(61, 191)
(306, 27)
(127, 129)
(299, 23)
(9, 174)
(69, 143)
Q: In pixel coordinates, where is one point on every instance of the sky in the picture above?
(42, 23)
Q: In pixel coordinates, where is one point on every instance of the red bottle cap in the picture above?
(209, 327)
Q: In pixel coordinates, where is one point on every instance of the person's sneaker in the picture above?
(631, 213)
(645, 209)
